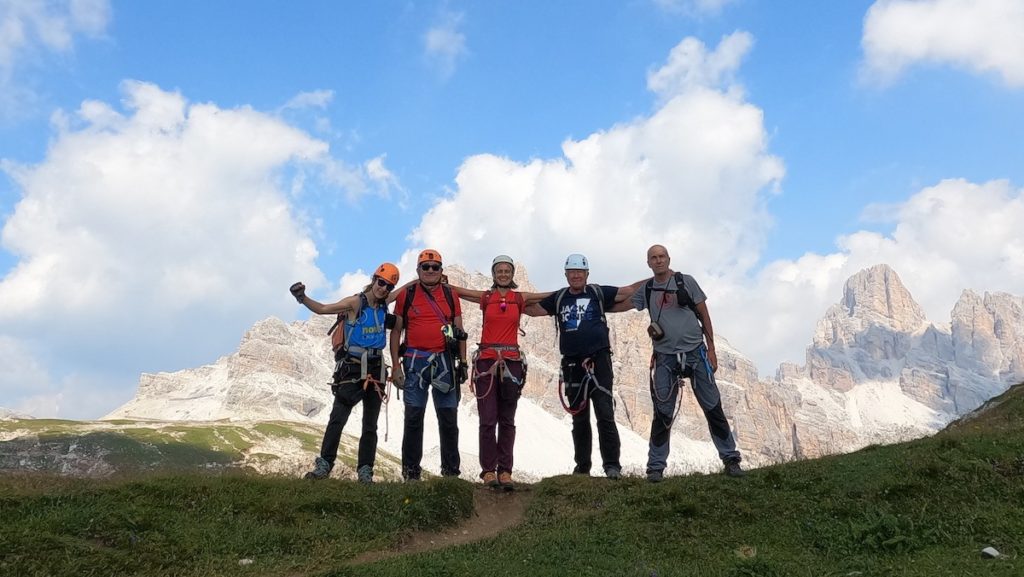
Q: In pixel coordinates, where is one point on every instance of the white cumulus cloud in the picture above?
(694, 175)
(983, 36)
(162, 230)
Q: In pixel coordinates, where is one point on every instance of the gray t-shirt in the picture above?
(682, 329)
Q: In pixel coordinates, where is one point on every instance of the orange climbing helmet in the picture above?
(388, 272)
(429, 255)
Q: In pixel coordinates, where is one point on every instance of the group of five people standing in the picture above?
(428, 353)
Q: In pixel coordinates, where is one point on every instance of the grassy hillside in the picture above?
(102, 448)
(924, 508)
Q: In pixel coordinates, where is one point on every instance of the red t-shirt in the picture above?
(423, 325)
(501, 327)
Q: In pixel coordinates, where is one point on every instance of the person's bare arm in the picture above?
(394, 340)
(622, 306)
(535, 310)
(627, 291)
(709, 333)
(470, 295)
(344, 306)
(397, 290)
(462, 343)
(531, 298)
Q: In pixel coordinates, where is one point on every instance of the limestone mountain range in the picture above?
(876, 371)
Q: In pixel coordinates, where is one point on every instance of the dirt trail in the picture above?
(493, 512)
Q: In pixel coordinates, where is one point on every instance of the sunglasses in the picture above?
(430, 267)
(383, 283)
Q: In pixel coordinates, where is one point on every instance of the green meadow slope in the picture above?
(923, 508)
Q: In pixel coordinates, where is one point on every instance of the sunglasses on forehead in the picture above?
(385, 284)
(430, 267)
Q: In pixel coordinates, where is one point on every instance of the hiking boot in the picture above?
(505, 480)
(655, 476)
(321, 469)
(733, 469)
(490, 479)
(578, 471)
(365, 474)
(411, 474)
(613, 473)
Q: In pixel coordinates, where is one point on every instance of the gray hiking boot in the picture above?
(365, 474)
(733, 469)
(321, 469)
(613, 473)
(655, 476)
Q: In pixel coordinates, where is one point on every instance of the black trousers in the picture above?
(600, 398)
(345, 398)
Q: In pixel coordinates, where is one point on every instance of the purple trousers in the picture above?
(497, 396)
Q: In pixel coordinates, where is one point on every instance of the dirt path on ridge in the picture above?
(493, 512)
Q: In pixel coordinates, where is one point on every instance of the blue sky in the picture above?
(168, 169)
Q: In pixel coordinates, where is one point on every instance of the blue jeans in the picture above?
(426, 374)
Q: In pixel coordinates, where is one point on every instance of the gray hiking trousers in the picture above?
(664, 396)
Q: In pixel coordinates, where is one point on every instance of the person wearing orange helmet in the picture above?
(359, 373)
(429, 362)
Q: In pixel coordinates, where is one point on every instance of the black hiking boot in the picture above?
(733, 469)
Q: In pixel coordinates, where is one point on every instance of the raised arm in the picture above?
(345, 305)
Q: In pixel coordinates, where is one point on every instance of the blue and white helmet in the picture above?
(576, 261)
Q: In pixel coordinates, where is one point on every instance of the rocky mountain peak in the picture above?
(877, 295)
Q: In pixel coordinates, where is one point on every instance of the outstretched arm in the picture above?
(622, 306)
(470, 295)
(624, 297)
(531, 298)
(627, 291)
(398, 290)
(535, 310)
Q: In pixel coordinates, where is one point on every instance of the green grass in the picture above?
(204, 525)
(924, 508)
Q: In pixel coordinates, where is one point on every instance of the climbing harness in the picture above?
(498, 371)
(584, 388)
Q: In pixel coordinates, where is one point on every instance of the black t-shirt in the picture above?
(582, 331)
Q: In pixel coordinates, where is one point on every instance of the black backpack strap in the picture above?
(683, 295)
(648, 287)
(599, 293)
(409, 294)
(558, 311)
(451, 301)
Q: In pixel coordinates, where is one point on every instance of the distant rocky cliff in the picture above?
(876, 371)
